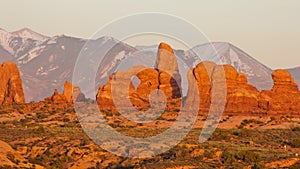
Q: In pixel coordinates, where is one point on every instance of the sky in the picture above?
(268, 30)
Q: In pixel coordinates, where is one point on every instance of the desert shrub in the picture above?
(3, 112)
(38, 160)
(258, 166)
(107, 113)
(296, 166)
(246, 122)
(6, 167)
(220, 135)
(41, 115)
(296, 129)
(228, 157)
(249, 157)
(11, 157)
(209, 153)
(66, 119)
(47, 153)
(183, 151)
(70, 110)
(242, 132)
(38, 130)
(54, 111)
(236, 133)
(24, 121)
(295, 143)
(17, 106)
(15, 122)
(57, 164)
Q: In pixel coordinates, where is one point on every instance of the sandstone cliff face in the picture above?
(203, 75)
(68, 91)
(241, 96)
(284, 97)
(167, 66)
(11, 90)
(134, 86)
(73, 93)
(208, 84)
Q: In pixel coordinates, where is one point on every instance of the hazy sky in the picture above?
(268, 30)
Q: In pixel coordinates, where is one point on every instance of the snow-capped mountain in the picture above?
(226, 53)
(27, 33)
(19, 42)
(47, 62)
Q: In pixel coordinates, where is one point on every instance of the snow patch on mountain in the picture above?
(103, 40)
(31, 55)
(121, 55)
(27, 33)
(5, 38)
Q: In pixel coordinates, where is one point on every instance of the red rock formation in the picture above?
(56, 98)
(70, 94)
(203, 74)
(283, 82)
(104, 98)
(68, 91)
(78, 95)
(125, 93)
(241, 97)
(212, 81)
(284, 97)
(11, 90)
(167, 66)
(73, 93)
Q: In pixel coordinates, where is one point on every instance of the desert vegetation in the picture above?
(48, 135)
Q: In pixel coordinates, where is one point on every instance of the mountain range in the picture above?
(46, 62)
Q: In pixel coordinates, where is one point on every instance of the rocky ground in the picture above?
(48, 135)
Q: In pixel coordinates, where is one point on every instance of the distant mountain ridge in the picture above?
(28, 33)
(295, 72)
(258, 74)
(47, 62)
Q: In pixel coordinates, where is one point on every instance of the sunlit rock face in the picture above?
(284, 97)
(11, 90)
(138, 85)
